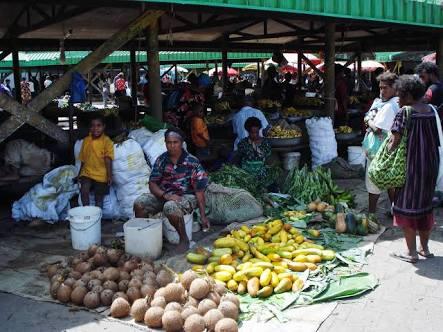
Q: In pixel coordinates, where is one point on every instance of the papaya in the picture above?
(283, 286)
(241, 287)
(312, 259)
(210, 268)
(265, 292)
(363, 227)
(227, 268)
(232, 285)
(226, 259)
(297, 266)
(225, 242)
(196, 258)
(221, 252)
(265, 277)
(274, 279)
(222, 276)
(327, 255)
(253, 286)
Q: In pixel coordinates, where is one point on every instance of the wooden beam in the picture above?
(330, 70)
(17, 79)
(89, 62)
(155, 90)
(311, 65)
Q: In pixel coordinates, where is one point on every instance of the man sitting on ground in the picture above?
(177, 185)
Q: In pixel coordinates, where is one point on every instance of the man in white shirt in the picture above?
(246, 112)
(385, 108)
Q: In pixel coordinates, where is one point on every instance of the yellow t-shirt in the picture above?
(92, 155)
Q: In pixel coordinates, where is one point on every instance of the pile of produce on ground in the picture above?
(293, 112)
(308, 186)
(151, 294)
(262, 260)
(234, 177)
(280, 132)
(343, 130)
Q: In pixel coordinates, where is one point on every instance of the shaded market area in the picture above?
(216, 165)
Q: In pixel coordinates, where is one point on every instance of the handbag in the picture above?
(388, 169)
(439, 184)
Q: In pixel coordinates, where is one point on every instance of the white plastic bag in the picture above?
(156, 146)
(48, 200)
(439, 184)
(141, 135)
(77, 147)
(321, 140)
(130, 175)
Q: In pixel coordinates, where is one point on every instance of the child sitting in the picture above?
(96, 156)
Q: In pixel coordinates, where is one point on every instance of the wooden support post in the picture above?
(299, 70)
(133, 80)
(439, 55)
(224, 67)
(216, 69)
(17, 80)
(155, 89)
(258, 70)
(359, 78)
(330, 70)
(89, 88)
(28, 114)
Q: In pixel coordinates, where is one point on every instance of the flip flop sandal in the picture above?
(426, 255)
(404, 257)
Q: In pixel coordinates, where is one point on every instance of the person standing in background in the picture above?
(47, 82)
(25, 91)
(430, 76)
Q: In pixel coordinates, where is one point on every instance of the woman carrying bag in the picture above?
(379, 120)
(415, 128)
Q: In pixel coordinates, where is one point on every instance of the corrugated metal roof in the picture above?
(400, 56)
(43, 59)
(414, 12)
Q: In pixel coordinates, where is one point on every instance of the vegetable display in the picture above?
(307, 187)
(293, 112)
(235, 177)
(263, 259)
(279, 132)
(343, 130)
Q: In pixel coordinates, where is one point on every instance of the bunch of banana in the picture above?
(279, 132)
(344, 130)
(292, 112)
(263, 259)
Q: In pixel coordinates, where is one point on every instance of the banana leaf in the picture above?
(347, 286)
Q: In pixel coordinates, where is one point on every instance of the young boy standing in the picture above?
(96, 156)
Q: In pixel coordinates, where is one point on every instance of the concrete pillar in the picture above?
(155, 91)
(439, 55)
(17, 79)
(133, 61)
(330, 70)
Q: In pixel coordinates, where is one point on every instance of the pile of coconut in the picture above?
(100, 275)
(148, 293)
(191, 303)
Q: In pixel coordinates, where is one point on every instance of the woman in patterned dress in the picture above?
(413, 202)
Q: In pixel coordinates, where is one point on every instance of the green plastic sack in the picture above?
(388, 169)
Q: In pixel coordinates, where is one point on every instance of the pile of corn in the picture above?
(262, 260)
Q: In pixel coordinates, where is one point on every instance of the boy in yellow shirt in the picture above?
(96, 156)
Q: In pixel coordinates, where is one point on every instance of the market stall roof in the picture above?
(400, 56)
(237, 25)
(43, 59)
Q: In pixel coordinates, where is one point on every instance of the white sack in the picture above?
(321, 140)
(111, 207)
(141, 135)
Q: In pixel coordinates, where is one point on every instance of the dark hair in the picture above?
(410, 84)
(175, 130)
(252, 122)
(428, 68)
(97, 117)
(388, 78)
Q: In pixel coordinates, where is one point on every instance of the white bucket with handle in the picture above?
(143, 237)
(85, 224)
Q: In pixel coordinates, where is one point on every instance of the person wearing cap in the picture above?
(177, 185)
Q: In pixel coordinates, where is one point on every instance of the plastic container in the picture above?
(86, 227)
(143, 237)
(356, 156)
(171, 233)
(291, 160)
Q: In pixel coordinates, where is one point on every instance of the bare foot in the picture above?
(182, 247)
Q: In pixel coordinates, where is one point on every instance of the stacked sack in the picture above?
(321, 140)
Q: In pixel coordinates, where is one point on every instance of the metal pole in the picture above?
(134, 80)
(175, 74)
(16, 69)
(71, 128)
(155, 90)
(330, 70)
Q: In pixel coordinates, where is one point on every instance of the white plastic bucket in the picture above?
(143, 237)
(85, 223)
(171, 233)
(291, 160)
(356, 156)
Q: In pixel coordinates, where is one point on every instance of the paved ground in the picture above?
(409, 298)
